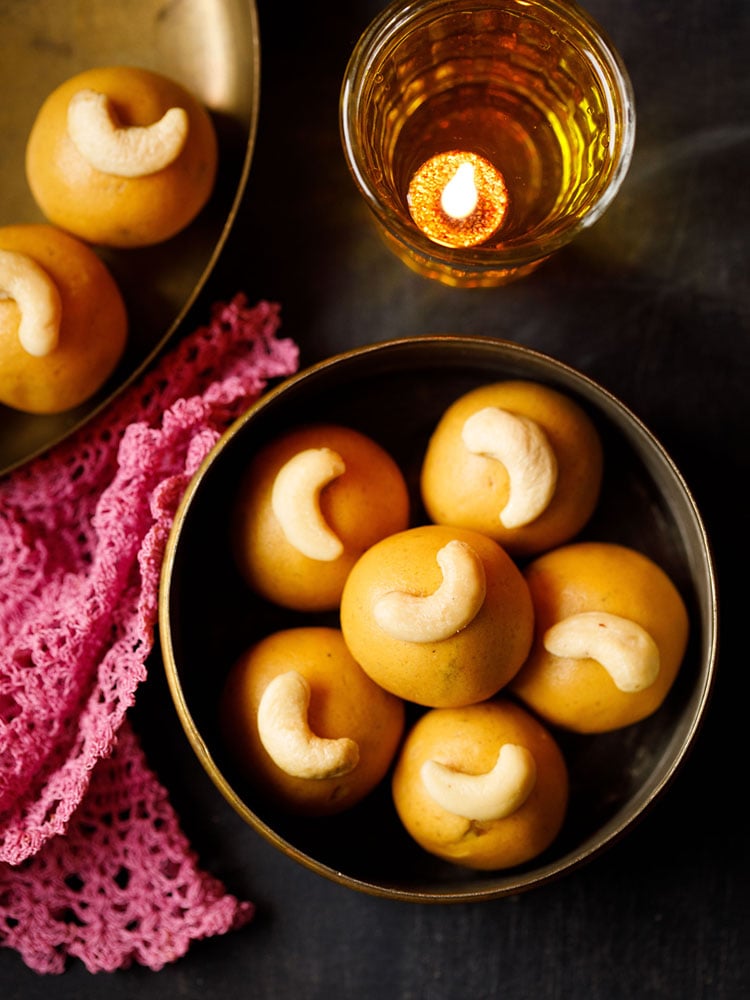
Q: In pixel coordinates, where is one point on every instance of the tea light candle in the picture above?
(458, 199)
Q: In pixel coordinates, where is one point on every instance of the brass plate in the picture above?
(211, 47)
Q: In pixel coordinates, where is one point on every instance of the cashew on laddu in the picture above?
(441, 614)
(123, 150)
(285, 733)
(295, 501)
(37, 298)
(483, 797)
(625, 649)
(521, 445)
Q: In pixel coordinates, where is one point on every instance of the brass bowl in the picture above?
(396, 391)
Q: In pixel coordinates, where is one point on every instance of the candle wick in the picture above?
(460, 195)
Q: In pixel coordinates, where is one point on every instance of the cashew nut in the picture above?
(295, 500)
(625, 649)
(122, 150)
(437, 616)
(286, 735)
(37, 298)
(483, 797)
(524, 449)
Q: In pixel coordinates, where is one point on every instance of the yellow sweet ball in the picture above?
(437, 615)
(485, 786)
(121, 156)
(516, 460)
(312, 501)
(306, 725)
(610, 635)
(63, 322)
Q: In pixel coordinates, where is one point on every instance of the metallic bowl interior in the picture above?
(396, 391)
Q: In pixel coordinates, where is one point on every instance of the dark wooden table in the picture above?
(654, 302)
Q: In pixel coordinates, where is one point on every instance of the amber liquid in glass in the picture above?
(551, 147)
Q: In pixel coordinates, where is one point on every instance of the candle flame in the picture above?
(458, 199)
(460, 195)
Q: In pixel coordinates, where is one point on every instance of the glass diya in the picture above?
(485, 134)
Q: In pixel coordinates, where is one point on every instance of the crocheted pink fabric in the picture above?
(82, 534)
(120, 886)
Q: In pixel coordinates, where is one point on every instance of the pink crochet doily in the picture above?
(120, 886)
(82, 534)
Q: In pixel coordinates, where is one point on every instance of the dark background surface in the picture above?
(654, 303)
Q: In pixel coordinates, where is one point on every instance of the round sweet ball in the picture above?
(485, 786)
(611, 633)
(517, 460)
(306, 725)
(63, 322)
(310, 504)
(121, 156)
(439, 616)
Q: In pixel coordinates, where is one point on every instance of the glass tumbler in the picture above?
(485, 134)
